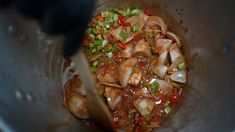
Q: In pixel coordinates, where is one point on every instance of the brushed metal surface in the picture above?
(30, 68)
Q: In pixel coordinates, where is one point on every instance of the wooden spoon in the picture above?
(95, 106)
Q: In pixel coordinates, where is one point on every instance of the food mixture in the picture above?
(138, 66)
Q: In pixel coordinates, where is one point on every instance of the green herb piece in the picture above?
(127, 13)
(152, 47)
(150, 35)
(100, 37)
(123, 35)
(105, 14)
(130, 116)
(100, 23)
(135, 28)
(135, 12)
(158, 31)
(116, 47)
(93, 50)
(93, 31)
(115, 17)
(108, 20)
(98, 42)
(181, 66)
(110, 55)
(91, 45)
(99, 47)
(95, 63)
(93, 69)
(107, 26)
(149, 74)
(154, 86)
(104, 43)
(167, 109)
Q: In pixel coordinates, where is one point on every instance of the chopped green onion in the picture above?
(104, 43)
(92, 36)
(135, 28)
(109, 20)
(99, 47)
(135, 12)
(93, 69)
(154, 86)
(100, 23)
(181, 66)
(130, 116)
(123, 35)
(95, 63)
(107, 26)
(110, 48)
(122, 12)
(91, 45)
(115, 17)
(98, 42)
(152, 47)
(110, 55)
(167, 109)
(149, 74)
(122, 122)
(167, 103)
(93, 31)
(150, 35)
(106, 14)
(93, 50)
(116, 10)
(128, 30)
(127, 13)
(100, 37)
(116, 47)
(158, 31)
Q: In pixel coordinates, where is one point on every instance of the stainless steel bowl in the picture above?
(31, 68)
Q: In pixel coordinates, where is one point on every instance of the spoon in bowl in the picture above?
(95, 106)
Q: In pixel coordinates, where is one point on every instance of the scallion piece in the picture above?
(107, 26)
(154, 86)
(93, 69)
(104, 43)
(181, 66)
(91, 45)
(95, 63)
(150, 35)
(116, 47)
(135, 12)
(110, 55)
(105, 14)
(123, 35)
(167, 109)
(100, 37)
(93, 50)
(135, 28)
(152, 47)
(93, 31)
(115, 17)
(130, 116)
(98, 42)
(127, 12)
(100, 23)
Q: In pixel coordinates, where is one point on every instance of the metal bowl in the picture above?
(31, 68)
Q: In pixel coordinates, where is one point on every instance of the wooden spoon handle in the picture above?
(95, 106)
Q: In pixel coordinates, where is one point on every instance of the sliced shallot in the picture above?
(125, 70)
